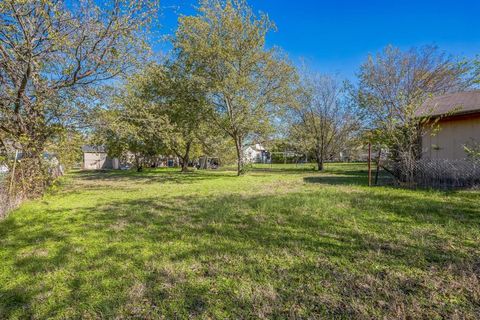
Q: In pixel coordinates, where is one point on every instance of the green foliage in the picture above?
(54, 56)
(215, 143)
(394, 85)
(182, 101)
(131, 130)
(323, 121)
(66, 147)
(281, 242)
(160, 110)
(245, 82)
(473, 150)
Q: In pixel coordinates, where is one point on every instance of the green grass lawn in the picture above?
(281, 242)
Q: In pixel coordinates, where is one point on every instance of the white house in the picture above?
(3, 169)
(256, 154)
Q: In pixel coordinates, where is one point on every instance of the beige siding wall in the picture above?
(95, 161)
(453, 134)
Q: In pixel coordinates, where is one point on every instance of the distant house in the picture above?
(96, 158)
(458, 118)
(256, 154)
(170, 162)
(353, 153)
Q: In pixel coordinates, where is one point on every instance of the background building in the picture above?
(458, 117)
(96, 158)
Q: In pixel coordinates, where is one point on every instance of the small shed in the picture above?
(96, 158)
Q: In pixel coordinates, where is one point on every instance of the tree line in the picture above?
(69, 73)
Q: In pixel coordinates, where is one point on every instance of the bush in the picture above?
(31, 178)
(6, 203)
(473, 151)
(3, 203)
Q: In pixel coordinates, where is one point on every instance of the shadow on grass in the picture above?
(152, 176)
(195, 255)
(292, 170)
(334, 173)
(336, 180)
(337, 175)
(340, 177)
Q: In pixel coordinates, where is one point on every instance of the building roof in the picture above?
(256, 147)
(94, 149)
(459, 103)
(259, 147)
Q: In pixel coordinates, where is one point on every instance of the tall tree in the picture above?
(52, 55)
(225, 45)
(394, 84)
(182, 101)
(159, 110)
(323, 120)
(130, 126)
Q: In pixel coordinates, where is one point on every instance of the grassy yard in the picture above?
(281, 242)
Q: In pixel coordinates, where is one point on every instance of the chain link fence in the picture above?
(6, 200)
(4, 203)
(25, 178)
(438, 174)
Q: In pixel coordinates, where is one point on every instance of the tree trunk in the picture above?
(240, 164)
(320, 164)
(137, 163)
(186, 158)
(320, 159)
(184, 165)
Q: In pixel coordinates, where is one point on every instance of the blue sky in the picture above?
(336, 36)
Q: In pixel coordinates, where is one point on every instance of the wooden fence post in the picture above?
(378, 166)
(369, 164)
